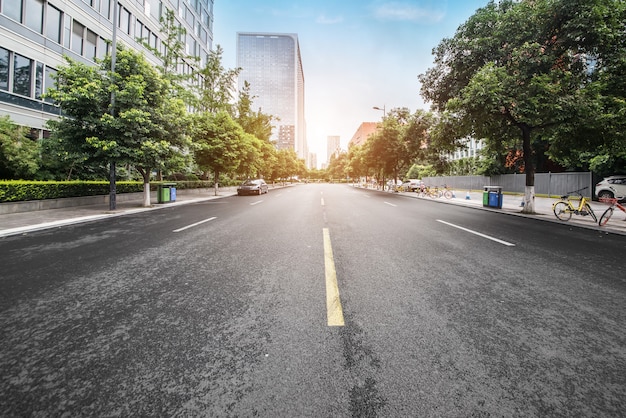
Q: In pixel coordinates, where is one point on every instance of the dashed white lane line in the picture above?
(195, 224)
(508, 244)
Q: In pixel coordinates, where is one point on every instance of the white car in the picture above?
(612, 187)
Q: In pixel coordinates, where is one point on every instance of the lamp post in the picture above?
(383, 109)
(112, 175)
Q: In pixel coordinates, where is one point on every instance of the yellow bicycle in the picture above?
(564, 207)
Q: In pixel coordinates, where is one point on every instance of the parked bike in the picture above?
(609, 212)
(565, 207)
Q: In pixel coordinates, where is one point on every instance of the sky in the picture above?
(356, 54)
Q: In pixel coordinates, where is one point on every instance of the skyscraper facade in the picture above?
(272, 65)
(36, 34)
(333, 147)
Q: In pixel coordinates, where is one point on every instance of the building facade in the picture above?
(35, 35)
(272, 65)
(362, 133)
(333, 147)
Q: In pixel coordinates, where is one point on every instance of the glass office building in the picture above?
(271, 63)
(36, 34)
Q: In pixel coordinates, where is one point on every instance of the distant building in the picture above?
(333, 147)
(472, 149)
(365, 130)
(36, 34)
(271, 64)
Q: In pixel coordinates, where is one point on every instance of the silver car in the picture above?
(258, 186)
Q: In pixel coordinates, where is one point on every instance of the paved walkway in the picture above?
(20, 223)
(512, 205)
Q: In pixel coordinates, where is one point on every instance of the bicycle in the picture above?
(609, 211)
(445, 192)
(564, 208)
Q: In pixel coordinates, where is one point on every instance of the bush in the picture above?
(21, 190)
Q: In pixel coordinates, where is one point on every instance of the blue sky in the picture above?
(356, 54)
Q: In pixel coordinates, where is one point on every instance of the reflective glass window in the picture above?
(4, 69)
(49, 81)
(77, 37)
(34, 18)
(53, 23)
(38, 80)
(22, 75)
(90, 45)
(12, 9)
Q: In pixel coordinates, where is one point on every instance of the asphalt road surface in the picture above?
(313, 301)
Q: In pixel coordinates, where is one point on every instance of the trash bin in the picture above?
(492, 197)
(166, 192)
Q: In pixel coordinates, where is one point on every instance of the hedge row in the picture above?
(19, 190)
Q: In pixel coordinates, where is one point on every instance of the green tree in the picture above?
(215, 86)
(219, 144)
(146, 127)
(19, 154)
(517, 70)
(172, 55)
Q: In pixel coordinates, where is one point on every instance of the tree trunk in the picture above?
(216, 176)
(145, 174)
(529, 168)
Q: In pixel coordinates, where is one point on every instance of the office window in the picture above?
(12, 9)
(34, 18)
(139, 28)
(90, 45)
(153, 8)
(102, 48)
(124, 20)
(78, 31)
(22, 75)
(53, 23)
(189, 18)
(105, 8)
(4, 69)
(49, 82)
(153, 41)
(38, 80)
(67, 31)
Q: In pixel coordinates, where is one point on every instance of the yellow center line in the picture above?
(334, 311)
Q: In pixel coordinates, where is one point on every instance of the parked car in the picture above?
(612, 187)
(257, 186)
(411, 185)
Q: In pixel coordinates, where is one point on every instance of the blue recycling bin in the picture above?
(492, 197)
(166, 192)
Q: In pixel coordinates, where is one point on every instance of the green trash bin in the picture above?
(166, 192)
(492, 197)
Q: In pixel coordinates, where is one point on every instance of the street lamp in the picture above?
(112, 191)
(383, 109)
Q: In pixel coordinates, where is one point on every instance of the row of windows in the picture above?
(44, 18)
(24, 76)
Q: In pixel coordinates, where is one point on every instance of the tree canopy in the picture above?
(535, 72)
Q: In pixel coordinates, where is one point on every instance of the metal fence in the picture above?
(550, 184)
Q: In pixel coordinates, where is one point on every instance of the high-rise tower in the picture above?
(272, 65)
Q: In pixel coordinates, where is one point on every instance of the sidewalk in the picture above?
(21, 223)
(512, 205)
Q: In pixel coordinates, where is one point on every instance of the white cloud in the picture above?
(402, 11)
(325, 20)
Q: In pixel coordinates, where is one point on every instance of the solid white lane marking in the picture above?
(256, 203)
(334, 312)
(192, 225)
(508, 244)
(390, 204)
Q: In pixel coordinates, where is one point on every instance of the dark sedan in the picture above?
(258, 186)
